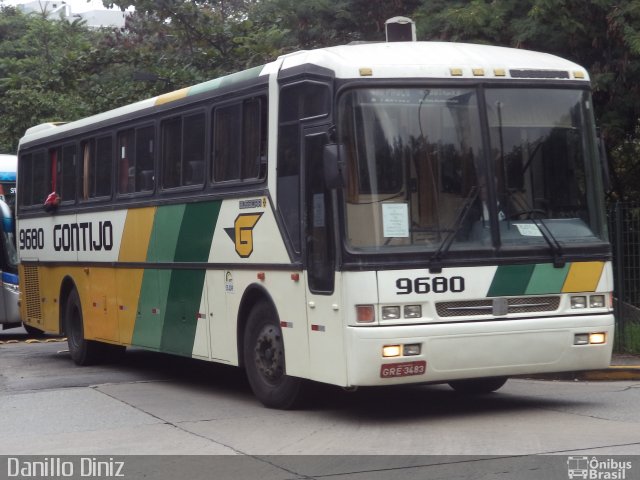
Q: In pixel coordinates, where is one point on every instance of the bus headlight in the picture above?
(390, 313)
(579, 302)
(412, 311)
(596, 301)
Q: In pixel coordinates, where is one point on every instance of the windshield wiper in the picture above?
(556, 249)
(434, 265)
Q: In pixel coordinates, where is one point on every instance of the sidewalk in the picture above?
(623, 367)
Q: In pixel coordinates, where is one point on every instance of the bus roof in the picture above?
(434, 60)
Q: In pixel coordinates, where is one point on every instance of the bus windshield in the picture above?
(421, 174)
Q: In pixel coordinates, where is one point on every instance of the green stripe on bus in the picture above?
(147, 331)
(196, 232)
(185, 290)
(547, 279)
(170, 299)
(179, 328)
(154, 292)
(166, 229)
(226, 80)
(510, 280)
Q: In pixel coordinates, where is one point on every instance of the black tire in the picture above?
(265, 362)
(478, 386)
(83, 351)
(32, 331)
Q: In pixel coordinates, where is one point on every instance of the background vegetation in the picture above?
(60, 71)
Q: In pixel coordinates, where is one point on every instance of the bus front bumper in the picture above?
(465, 350)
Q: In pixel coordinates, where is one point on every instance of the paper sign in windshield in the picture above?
(395, 219)
(528, 229)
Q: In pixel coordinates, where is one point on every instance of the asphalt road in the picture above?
(153, 404)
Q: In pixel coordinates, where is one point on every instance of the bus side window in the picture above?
(102, 168)
(97, 159)
(298, 102)
(125, 180)
(40, 178)
(193, 149)
(67, 177)
(183, 144)
(171, 131)
(240, 140)
(254, 142)
(145, 174)
(227, 143)
(25, 191)
(86, 175)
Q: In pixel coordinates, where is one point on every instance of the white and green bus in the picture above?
(372, 214)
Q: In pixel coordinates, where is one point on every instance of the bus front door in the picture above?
(326, 352)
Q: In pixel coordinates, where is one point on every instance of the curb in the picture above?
(612, 374)
(32, 340)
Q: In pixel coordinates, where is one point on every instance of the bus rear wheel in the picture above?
(83, 351)
(264, 360)
(478, 386)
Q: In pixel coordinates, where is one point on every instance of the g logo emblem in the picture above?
(242, 233)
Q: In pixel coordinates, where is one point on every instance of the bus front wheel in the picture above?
(264, 360)
(478, 385)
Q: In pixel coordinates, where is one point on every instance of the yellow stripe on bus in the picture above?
(172, 96)
(133, 248)
(583, 277)
(136, 235)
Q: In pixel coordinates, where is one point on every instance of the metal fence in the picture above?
(624, 230)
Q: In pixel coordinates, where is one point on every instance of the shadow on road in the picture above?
(47, 365)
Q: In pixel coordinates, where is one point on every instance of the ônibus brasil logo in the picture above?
(596, 469)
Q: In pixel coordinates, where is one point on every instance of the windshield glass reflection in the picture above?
(420, 177)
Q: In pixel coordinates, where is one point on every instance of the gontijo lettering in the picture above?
(86, 236)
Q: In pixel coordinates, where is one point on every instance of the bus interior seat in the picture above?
(195, 172)
(145, 180)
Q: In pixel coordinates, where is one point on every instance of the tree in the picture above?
(601, 35)
(37, 73)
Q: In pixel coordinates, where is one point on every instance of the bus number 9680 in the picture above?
(406, 286)
(31, 239)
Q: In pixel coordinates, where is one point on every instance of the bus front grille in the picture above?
(498, 306)
(32, 293)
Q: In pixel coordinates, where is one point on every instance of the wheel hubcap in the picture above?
(268, 354)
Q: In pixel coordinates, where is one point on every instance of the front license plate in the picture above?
(405, 369)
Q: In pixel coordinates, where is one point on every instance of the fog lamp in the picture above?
(391, 351)
(581, 339)
(597, 338)
(411, 349)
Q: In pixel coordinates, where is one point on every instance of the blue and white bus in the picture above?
(9, 309)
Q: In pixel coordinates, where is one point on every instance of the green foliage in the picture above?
(601, 35)
(57, 70)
